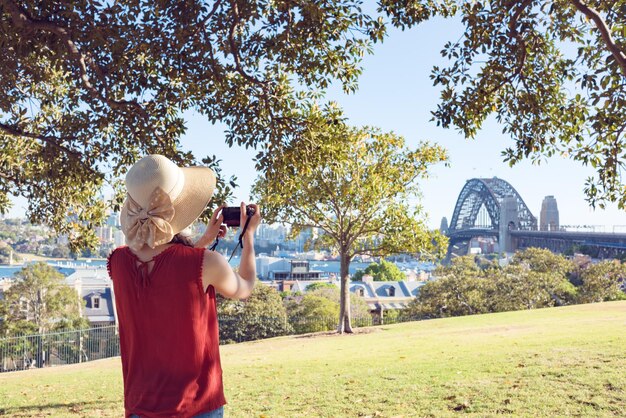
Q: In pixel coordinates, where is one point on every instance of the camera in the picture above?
(232, 215)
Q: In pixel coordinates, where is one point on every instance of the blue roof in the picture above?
(94, 283)
(102, 313)
(381, 289)
(368, 291)
(413, 287)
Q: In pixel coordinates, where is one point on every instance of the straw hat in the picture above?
(163, 199)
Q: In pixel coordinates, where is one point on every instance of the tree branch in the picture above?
(23, 20)
(518, 72)
(331, 192)
(202, 25)
(613, 48)
(235, 50)
(374, 251)
(367, 218)
(11, 179)
(50, 140)
(518, 37)
(12, 130)
(316, 224)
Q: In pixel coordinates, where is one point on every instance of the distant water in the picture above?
(68, 267)
(9, 271)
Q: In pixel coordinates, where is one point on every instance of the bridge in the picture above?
(490, 208)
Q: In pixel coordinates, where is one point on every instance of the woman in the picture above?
(165, 291)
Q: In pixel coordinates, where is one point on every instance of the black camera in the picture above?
(232, 215)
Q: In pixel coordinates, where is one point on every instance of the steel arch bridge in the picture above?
(478, 213)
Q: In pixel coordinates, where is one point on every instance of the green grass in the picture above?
(553, 362)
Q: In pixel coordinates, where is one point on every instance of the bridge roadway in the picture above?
(609, 244)
(562, 240)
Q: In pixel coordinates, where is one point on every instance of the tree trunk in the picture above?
(345, 324)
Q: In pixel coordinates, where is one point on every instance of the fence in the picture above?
(23, 352)
(57, 348)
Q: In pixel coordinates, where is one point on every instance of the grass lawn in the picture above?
(567, 361)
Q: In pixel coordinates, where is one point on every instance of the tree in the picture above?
(6, 253)
(518, 287)
(383, 272)
(319, 308)
(552, 73)
(40, 296)
(460, 288)
(541, 260)
(39, 300)
(88, 86)
(262, 315)
(61, 251)
(352, 184)
(312, 313)
(603, 281)
(323, 285)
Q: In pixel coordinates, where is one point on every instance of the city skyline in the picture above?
(396, 94)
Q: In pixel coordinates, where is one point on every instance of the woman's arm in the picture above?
(217, 272)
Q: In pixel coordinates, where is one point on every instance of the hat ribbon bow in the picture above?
(150, 225)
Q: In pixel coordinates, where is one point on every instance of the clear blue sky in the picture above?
(396, 94)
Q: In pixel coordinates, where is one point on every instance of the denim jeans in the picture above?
(216, 413)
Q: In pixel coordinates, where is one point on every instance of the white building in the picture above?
(118, 238)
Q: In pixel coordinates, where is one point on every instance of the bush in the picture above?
(382, 272)
(603, 282)
(536, 278)
(262, 315)
(318, 310)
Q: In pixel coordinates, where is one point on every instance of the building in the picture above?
(443, 227)
(549, 217)
(483, 245)
(383, 296)
(284, 274)
(299, 270)
(95, 288)
(113, 220)
(104, 234)
(5, 284)
(272, 234)
(118, 238)
(266, 264)
(379, 296)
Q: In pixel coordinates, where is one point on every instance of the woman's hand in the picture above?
(215, 229)
(255, 220)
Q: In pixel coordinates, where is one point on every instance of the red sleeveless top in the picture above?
(169, 337)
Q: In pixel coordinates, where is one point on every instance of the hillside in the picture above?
(560, 361)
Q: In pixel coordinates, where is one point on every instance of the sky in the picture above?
(396, 94)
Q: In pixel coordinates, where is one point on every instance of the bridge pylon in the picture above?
(509, 219)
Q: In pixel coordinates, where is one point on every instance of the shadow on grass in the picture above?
(334, 333)
(72, 407)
